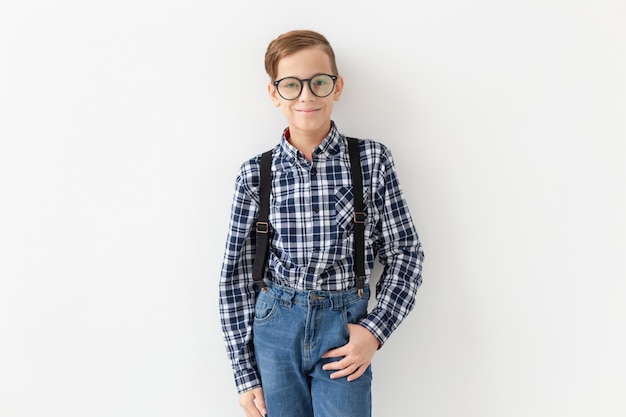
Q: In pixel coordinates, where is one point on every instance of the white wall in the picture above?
(122, 124)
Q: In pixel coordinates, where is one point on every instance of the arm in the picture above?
(236, 292)
(401, 254)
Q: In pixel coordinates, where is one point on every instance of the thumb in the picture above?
(333, 353)
(260, 403)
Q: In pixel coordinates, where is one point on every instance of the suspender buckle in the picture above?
(359, 217)
(262, 227)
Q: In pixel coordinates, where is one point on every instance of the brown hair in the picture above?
(291, 42)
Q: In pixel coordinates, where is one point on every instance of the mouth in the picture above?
(307, 110)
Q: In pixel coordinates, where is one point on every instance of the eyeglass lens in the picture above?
(321, 85)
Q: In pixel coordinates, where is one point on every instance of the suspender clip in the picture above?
(360, 285)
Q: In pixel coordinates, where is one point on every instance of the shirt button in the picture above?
(313, 171)
(316, 209)
(310, 270)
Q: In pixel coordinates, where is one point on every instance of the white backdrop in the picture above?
(122, 124)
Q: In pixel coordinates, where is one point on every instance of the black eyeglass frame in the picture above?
(332, 77)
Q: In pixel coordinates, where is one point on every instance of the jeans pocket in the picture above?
(265, 307)
(355, 311)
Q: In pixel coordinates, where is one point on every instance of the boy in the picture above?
(302, 345)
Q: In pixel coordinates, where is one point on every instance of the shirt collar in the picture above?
(331, 145)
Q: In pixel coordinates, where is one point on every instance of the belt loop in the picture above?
(288, 296)
(336, 301)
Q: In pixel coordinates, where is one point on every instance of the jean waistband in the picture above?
(329, 299)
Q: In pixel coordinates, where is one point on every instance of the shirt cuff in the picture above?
(380, 325)
(247, 379)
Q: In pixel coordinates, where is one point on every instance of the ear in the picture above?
(273, 93)
(338, 88)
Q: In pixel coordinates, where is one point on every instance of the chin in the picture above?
(311, 126)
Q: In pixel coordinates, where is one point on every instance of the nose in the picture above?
(306, 94)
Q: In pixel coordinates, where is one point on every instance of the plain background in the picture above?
(122, 125)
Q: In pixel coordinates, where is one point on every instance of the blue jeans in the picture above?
(292, 330)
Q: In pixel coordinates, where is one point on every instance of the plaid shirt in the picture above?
(312, 244)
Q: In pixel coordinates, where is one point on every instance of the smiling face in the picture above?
(308, 116)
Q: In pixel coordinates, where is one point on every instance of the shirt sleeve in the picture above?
(400, 253)
(237, 295)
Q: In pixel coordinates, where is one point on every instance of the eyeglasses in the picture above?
(320, 85)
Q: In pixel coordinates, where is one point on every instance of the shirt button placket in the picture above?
(311, 270)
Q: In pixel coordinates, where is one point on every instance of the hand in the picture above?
(253, 402)
(357, 354)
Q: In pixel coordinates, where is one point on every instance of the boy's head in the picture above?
(291, 42)
(304, 81)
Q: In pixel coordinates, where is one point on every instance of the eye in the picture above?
(289, 84)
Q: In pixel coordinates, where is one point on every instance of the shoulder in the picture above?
(374, 152)
(249, 169)
(249, 173)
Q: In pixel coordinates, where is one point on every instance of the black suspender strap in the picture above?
(359, 213)
(263, 222)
